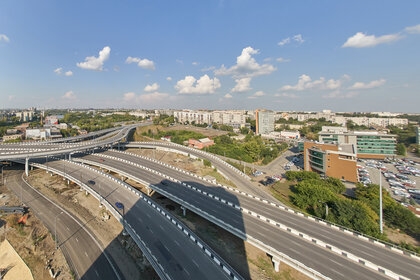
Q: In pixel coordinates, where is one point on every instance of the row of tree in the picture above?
(314, 194)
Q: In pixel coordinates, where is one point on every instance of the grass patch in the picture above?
(281, 191)
(219, 178)
(267, 268)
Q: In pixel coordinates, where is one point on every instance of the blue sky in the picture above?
(281, 55)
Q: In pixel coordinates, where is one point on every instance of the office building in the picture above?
(264, 121)
(369, 144)
(333, 160)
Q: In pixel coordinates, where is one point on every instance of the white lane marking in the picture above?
(337, 272)
(196, 264)
(97, 274)
(176, 242)
(187, 272)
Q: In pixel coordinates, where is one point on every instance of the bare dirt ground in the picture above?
(125, 252)
(248, 260)
(33, 242)
(396, 236)
(192, 165)
(11, 264)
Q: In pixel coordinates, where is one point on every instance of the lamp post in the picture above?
(380, 202)
(55, 229)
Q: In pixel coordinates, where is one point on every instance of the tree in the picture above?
(244, 130)
(401, 150)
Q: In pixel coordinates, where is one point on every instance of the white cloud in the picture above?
(372, 84)
(191, 85)
(242, 85)
(96, 63)
(257, 94)
(142, 63)
(169, 78)
(413, 29)
(153, 87)
(58, 70)
(129, 96)
(145, 98)
(246, 66)
(4, 38)
(284, 41)
(288, 95)
(297, 38)
(339, 94)
(69, 95)
(179, 61)
(227, 95)
(281, 59)
(195, 63)
(11, 97)
(362, 40)
(211, 68)
(305, 83)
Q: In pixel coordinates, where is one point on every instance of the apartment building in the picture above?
(369, 144)
(25, 116)
(199, 117)
(417, 135)
(233, 118)
(371, 122)
(333, 160)
(264, 121)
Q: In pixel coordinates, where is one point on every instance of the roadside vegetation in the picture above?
(252, 149)
(312, 194)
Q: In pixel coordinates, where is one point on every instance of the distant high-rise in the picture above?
(418, 135)
(264, 121)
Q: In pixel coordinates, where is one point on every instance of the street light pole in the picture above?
(380, 202)
(55, 230)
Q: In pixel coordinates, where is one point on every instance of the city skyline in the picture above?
(214, 55)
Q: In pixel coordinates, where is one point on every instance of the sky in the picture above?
(214, 54)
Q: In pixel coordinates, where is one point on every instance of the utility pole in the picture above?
(380, 202)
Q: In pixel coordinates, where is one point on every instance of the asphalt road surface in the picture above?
(325, 262)
(180, 257)
(81, 250)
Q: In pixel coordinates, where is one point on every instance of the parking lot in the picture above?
(400, 178)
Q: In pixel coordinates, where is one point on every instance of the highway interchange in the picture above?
(178, 256)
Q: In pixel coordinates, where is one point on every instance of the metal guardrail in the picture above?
(363, 236)
(292, 262)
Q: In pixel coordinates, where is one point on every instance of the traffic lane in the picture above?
(363, 249)
(395, 262)
(242, 182)
(252, 226)
(74, 243)
(156, 230)
(307, 253)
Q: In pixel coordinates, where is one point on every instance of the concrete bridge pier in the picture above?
(184, 211)
(27, 167)
(276, 264)
(149, 191)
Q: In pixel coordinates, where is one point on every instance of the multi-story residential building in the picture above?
(333, 160)
(264, 121)
(199, 117)
(25, 116)
(418, 135)
(369, 144)
(233, 118)
(371, 122)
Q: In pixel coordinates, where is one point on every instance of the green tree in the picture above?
(401, 150)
